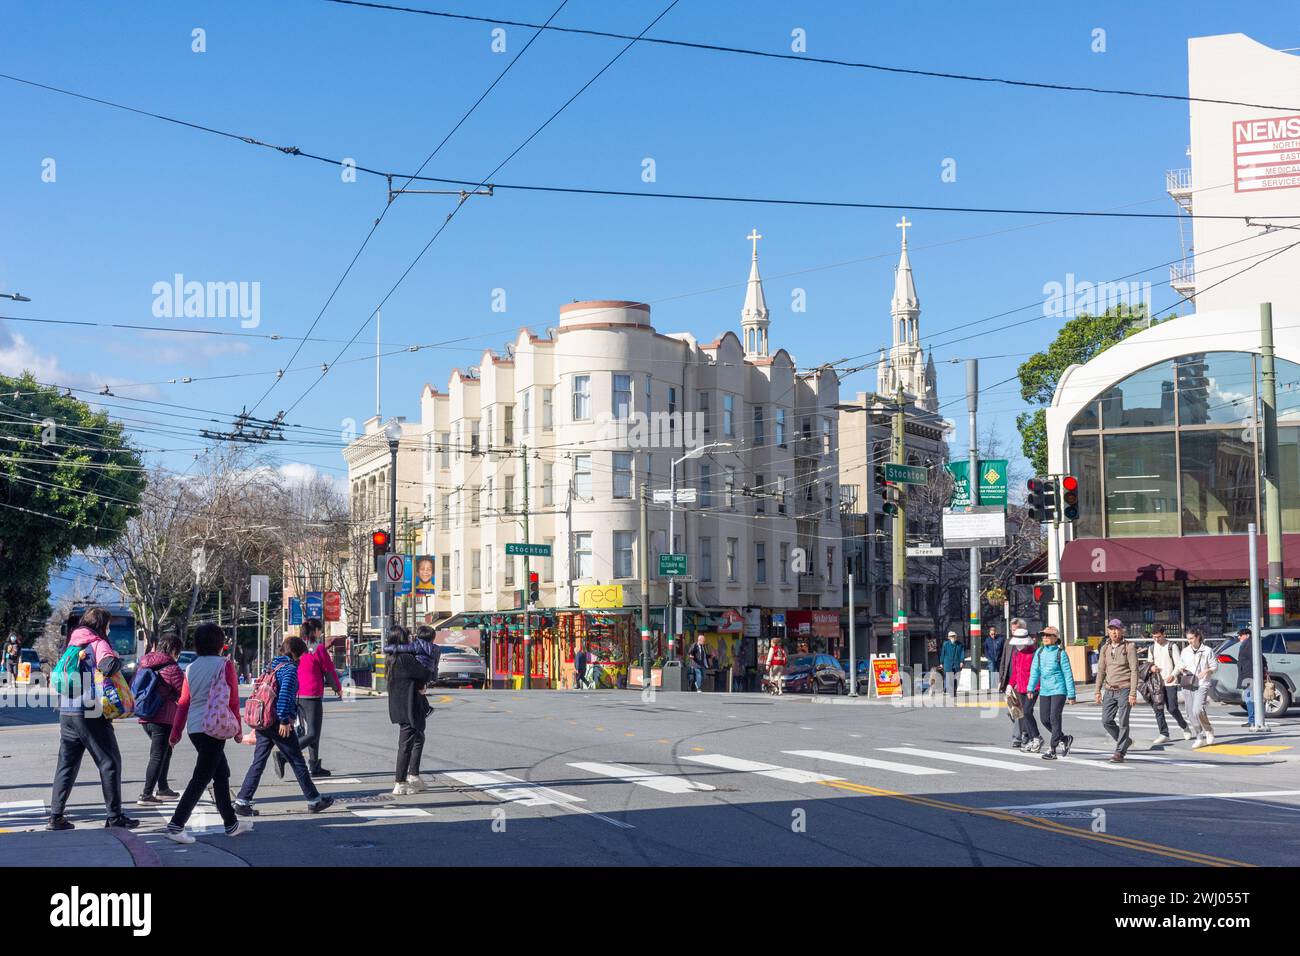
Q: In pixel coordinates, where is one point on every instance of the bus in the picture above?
(127, 644)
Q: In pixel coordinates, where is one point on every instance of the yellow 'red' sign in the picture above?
(600, 596)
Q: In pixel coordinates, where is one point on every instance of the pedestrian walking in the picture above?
(409, 709)
(1246, 674)
(83, 726)
(1117, 680)
(157, 688)
(950, 658)
(280, 737)
(776, 661)
(1164, 661)
(993, 645)
(1020, 652)
(580, 659)
(1019, 637)
(315, 669)
(1052, 679)
(699, 657)
(12, 657)
(1196, 664)
(208, 711)
(240, 657)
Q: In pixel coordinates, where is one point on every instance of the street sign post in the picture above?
(672, 565)
(683, 496)
(984, 526)
(924, 551)
(531, 550)
(905, 474)
(259, 588)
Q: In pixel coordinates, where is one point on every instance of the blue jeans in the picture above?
(697, 675)
(267, 741)
(1249, 700)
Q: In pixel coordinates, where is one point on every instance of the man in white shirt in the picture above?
(1164, 659)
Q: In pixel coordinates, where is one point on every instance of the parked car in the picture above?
(1282, 648)
(461, 667)
(815, 674)
(864, 673)
(185, 659)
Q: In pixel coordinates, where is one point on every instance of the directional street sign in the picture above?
(672, 565)
(905, 474)
(685, 496)
(924, 551)
(531, 550)
(394, 569)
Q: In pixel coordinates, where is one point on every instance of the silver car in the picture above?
(1281, 646)
(461, 667)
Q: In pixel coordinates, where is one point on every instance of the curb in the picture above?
(142, 854)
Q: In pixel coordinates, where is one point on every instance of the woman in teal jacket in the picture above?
(1051, 677)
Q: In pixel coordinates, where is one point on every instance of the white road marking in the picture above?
(322, 780)
(512, 789)
(1102, 764)
(763, 769)
(377, 813)
(960, 758)
(1149, 758)
(868, 762)
(664, 783)
(22, 813)
(1110, 801)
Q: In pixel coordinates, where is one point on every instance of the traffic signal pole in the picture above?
(1272, 499)
(643, 545)
(528, 579)
(898, 570)
(973, 481)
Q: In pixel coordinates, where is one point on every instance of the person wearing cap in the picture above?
(950, 658)
(1052, 679)
(1017, 662)
(1117, 680)
(1246, 674)
(1164, 659)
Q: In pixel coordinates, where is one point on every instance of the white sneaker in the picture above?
(1209, 738)
(1160, 739)
(1200, 742)
(416, 784)
(1187, 734)
(242, 827)
(179, 836)
(1035, 745)
(402, 790)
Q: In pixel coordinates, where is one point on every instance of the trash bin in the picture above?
(674, 676)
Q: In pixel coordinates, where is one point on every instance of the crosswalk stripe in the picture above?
(377, 813)
(22, 813)
(869, 762)
(1151, 758)
(664, 783)
(763, 769)
(1102, 764)
(960, 758)
(323, 780)
(512, 789)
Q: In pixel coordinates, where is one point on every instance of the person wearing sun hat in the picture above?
(1053, 681)
(1117, 680)
(1014, 672)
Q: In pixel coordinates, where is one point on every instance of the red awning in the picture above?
(1197, 558)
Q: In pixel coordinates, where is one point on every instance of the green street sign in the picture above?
(906, 474)
(672, 565)
(531, 550)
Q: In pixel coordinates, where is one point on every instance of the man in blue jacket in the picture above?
(950, 658)
(993, 652)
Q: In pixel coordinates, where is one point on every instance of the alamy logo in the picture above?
(1094, 298)
(77, 909)
(179, 299)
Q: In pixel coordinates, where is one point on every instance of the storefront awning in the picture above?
(1195, 558)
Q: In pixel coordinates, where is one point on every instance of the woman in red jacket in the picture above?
(171, 681)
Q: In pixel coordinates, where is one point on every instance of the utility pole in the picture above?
(973, 481)
(1272, 500)
(902, 643)
(644, 547)
(1256, 652)
(853, 643)
(528, 583)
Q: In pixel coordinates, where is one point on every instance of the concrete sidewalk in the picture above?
(86, 846)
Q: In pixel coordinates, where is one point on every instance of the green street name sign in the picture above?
(905, 474)
(531, 550)
(672, 565)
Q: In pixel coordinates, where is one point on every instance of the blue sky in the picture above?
(137, 201)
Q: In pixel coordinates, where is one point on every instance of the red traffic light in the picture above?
(1070, 483)
(533, 578)
(1038, 593)
(380, 541)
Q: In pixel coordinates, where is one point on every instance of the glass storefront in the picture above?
(1141, 476)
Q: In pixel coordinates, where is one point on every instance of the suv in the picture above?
(1282, 648)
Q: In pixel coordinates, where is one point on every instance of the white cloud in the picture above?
(19, 355)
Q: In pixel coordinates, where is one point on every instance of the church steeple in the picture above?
(753, 317)
(906, 363)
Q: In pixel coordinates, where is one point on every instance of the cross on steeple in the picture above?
(903, 224)
(754, 237)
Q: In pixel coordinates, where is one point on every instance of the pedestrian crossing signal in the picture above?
(1042, 500)
(1044, 592)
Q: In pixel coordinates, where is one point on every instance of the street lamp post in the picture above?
(393, 432)
(670, 626)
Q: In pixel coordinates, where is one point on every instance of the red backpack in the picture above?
(259, 709)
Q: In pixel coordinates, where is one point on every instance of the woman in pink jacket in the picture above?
(314, 669)
(1022, 649)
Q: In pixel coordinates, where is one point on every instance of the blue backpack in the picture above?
(148, 689)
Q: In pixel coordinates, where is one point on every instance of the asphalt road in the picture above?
(605, 778)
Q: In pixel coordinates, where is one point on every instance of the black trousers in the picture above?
(312, 711)
(160, 757)
(78, 734)
(1050, 709)
(1028, 726)
(410, 748)
(268, 740)
(210, 767)
(1171, 707)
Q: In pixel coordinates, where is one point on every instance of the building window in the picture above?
(476, 571)
(729, 416)
(548, 485)
(490, 502)
(1141, 485)
(780, 494)
(446, 450)
(759, 431)
(582, 476)
(581, 398)
(706, 486)
(760, 496)
(476, 506)
(509, 570)
(509, 492)
(473, 437)
(548, 562)
(488, 581)
(624, 546)
(444, 579)
(706, 559)
(828, 501)
(527, 424)
(778, 427)
(622, 474)
(487, 420)
(508, 426)
(456, 570)
(548, 409)
(446, 511)
(805, 427)
(729, 488)
(622, 399)
(733, 544)
(784, 555)
(706, 419)
(828, 442)
(672, 416)
(582, 554)
(760, 562)
(428, 452)
(830, 567)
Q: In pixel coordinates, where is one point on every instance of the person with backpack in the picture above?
(1117, 683)
(157, 687)
(408, 708)
(776, 661)
(83, 723)
(1051, 678)
(315, 668)
(271, 712)
(208, 710)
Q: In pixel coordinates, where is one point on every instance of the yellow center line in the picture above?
(1038, 823)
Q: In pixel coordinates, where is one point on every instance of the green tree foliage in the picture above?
(1080, 340)
(68, 482)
